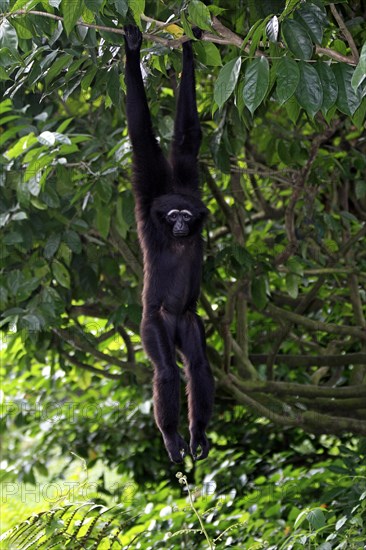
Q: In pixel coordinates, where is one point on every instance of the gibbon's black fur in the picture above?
(170, 216)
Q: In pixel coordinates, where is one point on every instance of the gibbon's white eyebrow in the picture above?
(174, 211)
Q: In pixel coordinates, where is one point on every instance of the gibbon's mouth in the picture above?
(182, 233)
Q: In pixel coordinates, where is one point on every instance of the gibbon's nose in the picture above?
(180, 229)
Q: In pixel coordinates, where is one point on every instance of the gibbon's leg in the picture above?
(200, 386)
(157, 332)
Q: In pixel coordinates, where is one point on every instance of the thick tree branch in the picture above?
(311, 325)
(313, 421)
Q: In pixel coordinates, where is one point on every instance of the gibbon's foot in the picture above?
(133, 37)
(199, 440)
(176, 446)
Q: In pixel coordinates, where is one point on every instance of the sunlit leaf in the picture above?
(199, 14)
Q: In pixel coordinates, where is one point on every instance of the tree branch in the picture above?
(292, 388)
(228, 37)
(347, 35)
(311, 325)
(89, 368)
(312, 360)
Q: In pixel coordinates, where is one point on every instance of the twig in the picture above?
(89, 368)
(347, 35)
(299, 361)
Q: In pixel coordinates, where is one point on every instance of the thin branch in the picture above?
(305, 390)
(129, 346)
(89, 368)
(87, 348)
(229, 38)
(300, 361)
(335, 55)
(347, 35)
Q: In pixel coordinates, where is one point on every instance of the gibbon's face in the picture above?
(179, 221)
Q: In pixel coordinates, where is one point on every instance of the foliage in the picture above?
(271, 511)
(281, 96)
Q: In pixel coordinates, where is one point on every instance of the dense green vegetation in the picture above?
(281, 91)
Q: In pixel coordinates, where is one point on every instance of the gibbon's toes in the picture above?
(176, 447)
(133, 37)
(199, 441)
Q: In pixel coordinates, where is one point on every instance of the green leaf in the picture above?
(288, 76)
(313, 19)
(256, 38)
(295, 266)
(94, 5)
(297, 39)
(8, 36)
(121, 7)
(259, 294)
(114, 87)
(256, 83)
(316, 518)
(289, 7)
(329, 85)
(226, 81)
(103, 220)
(359, 115)
(293, 109)
(72, 240)
(199, 15)
(341, 522)
(51, 246)
(21, 146)
(208, 54)
(55, 70)
(71, 11)
(9, 58)
(360, 189)
(359, 74)
(24, 5)
(137, 8)
(309, 92)
(292, 284)
(61, 274)
(347, 101)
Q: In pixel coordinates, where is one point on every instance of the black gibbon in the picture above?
(170, 216)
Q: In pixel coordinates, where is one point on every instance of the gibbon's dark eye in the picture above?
(187, 216)
(172, 215)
